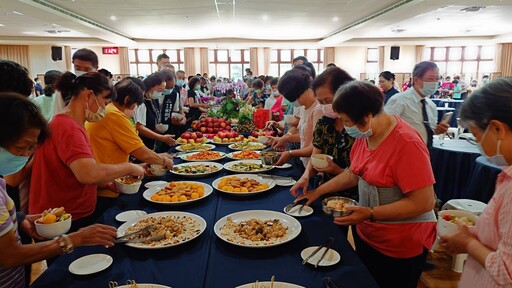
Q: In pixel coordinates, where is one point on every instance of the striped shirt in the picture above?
(493, 229)
(9, 277)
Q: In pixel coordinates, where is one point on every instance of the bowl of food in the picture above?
(320, 160)
(448, 221)
(157, 169)
(269, 157)
(54, 222)
(336, 206)
(127, 185)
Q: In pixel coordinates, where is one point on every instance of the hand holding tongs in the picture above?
(327, 243)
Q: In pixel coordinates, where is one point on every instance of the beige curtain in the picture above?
(420, 50)
(67, 57)
(203, 52)
(190, 62)
(504, 59)
(254, 61)
(381, 58)
(124, 61)
(329, 55)
(266, 61)
(16, 53)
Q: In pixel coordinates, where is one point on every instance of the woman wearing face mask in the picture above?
(386, 81)
(194, 102)
(390, 164)
(64, 173)
(487, 115)
(23, 129)
(330, 136)
(258, 97)
(115, 139)
(147, 115)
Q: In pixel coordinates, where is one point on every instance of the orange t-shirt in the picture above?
(402, 160)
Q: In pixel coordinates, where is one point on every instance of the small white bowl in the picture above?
(290, 119)
(127, 188)
(319, 160)
(445, 227)
(157, 169)
(263, 139)
(50, 231)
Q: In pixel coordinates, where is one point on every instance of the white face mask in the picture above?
(328, 111)
(498, 159)
(429, 88)
(94, 116)
(156, 95)
(79, 73)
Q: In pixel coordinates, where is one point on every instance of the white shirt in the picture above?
(407, 105)
(270, 102)
(306, 126)
(140, 114)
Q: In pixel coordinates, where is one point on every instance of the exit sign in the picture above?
(111, 50)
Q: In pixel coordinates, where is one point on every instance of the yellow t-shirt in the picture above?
(112, 140)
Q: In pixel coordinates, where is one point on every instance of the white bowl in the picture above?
(445, 227)
(157, 169)
(263, 139)
(290, 119)
(127, 188)
(50, 231)
(319, 160)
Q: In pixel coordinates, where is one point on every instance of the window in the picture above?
(228, 63)
(143, 61)
(470, 62)
(372, 64)
(281, 60)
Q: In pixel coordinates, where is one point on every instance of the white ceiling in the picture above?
(261, 22)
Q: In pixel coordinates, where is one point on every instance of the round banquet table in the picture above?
(208, 261)
(482, 181)
(452, 163)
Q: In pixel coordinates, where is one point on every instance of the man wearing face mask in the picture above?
(414, 105)
(172, 113)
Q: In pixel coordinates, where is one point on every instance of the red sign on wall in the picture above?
(111, 50)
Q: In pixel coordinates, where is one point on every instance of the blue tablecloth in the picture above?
(452, 163)
(210, 262)
(482, 182)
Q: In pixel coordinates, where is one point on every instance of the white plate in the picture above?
(184, 157)
(199, 175)
(230, 155)
(207, 147)
(153, 190)
(271, 184)
(144, 286)
(284, 166)
(258, 147)
(306, 211)
(266, 284)
(332, 257)
(90, 264)
(293, 225)
(222, 143)
(155, 183)
(284, 182)
(130, 215)
(200, 221)
(228, 166)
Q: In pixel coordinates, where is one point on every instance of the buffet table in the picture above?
(208, 261)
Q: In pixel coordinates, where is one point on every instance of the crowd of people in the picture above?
(66, 147)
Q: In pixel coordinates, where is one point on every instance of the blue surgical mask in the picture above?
(275, 93)
(198, 87)
(156, 95)
(258, 91)
(10, 163)
(180, 82)
(498, 159)
(353, 131)
(268, 87)
(429, 88)
(167, 91)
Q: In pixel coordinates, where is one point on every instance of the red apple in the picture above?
(228, 127)
(230, 134)
(193, 135)
(215, 119)
(223, 124)
(209, 120)
(215, 130)
(199, 135)
(254, 134)
(222, 120)
(202, 120)
(209, 130)
(210, 125)
(222, 135)
(235, 134)
(186, 135)
(216, 125)
(203, 129)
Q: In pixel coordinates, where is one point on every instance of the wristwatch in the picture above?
(65, 244)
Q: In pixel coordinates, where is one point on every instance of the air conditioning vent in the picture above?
(472, 9)
(56, 31)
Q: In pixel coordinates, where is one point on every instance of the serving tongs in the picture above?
(275, 177)
(301, 202)
(327, 244)
(127, 238)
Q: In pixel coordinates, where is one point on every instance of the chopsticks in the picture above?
(327, 243)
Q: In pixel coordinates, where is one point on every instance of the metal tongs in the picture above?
(301, 202)
(328, 283)
(327, 243)
(127, 238)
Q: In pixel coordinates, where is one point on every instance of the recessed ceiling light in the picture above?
(113, 18)
(17, 13)
(472, 9)
(264, 17)
(29, 33)
(2, 25)
(335, 19)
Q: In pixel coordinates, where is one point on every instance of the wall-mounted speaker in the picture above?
(395, 53)
(56, 53)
